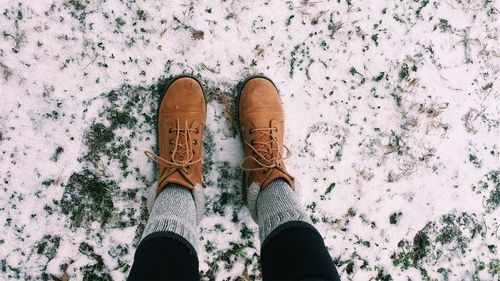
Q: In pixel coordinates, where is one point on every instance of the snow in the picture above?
(396, 102)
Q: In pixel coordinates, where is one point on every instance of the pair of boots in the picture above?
(181, 120)
(291, 249)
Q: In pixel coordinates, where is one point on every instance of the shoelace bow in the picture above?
(268, 152)
(181, 149)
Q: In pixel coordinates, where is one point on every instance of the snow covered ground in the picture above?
(392, 111)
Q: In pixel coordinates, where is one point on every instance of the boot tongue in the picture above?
(264, 136)
(268, 149)
(182, 145)
(180, 153)
(278, 173)
(177, 177)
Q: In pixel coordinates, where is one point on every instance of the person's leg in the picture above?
(167, 249)
(292, 249)
(165, 258)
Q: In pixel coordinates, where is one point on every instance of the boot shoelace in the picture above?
(268, 152)
(181, 149)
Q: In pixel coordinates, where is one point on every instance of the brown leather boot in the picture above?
(262, 129)
(181, 120)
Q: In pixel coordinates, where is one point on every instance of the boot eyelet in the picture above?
(195, 142)
(171, 151)
(171, 142)
(276, 129)
(252, 142)
(196, 131)
(170, 130)
(250, 132)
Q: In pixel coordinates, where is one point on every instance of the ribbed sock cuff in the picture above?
(270, 223)
(277, 204)
(171, 225)
(174, 211)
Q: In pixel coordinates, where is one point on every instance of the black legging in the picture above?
(293, 251)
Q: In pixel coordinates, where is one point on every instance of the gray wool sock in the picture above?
(174, 211)
(276, 205)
